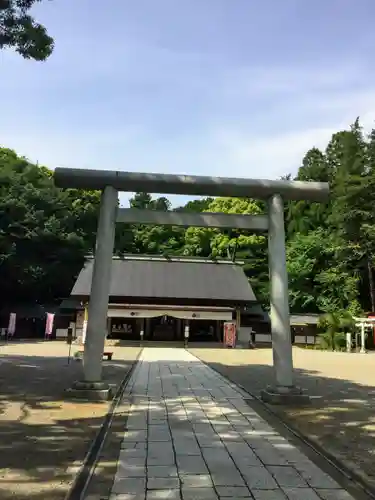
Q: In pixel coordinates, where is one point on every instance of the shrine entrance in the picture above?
(164, 328)
(274, 192)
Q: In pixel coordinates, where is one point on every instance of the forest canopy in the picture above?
(21, 32)
(45, 233)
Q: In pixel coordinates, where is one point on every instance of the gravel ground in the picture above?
(44, 436)
(341, 417)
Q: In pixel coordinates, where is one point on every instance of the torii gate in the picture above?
(274, 191)
(361, 323)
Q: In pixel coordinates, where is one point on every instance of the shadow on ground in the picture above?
(43, 433)
(341, 417)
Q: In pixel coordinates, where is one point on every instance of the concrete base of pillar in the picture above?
(292, 396)
(90, 391)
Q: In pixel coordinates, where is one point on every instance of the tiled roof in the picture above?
(304, 319)
(172, 278)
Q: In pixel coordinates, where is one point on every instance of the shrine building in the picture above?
(163, 297)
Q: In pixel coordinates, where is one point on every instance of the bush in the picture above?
(340, 341)
(325, 341)
(333, 341)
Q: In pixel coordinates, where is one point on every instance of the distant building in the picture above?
(304, 328)
(160, 296)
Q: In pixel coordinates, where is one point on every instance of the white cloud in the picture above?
(248, 154)
(219, 150)
(257, 122)
(304, 78)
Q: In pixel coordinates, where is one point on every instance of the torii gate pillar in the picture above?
(284, 390)
(92, 386)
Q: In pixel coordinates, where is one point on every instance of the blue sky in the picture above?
(213, 87)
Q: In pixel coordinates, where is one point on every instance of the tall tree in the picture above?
(243, 245)
(353, 217)
(195, 205)
(155, 239)
(45, 233)
(304, 216)
(318, 282)
(21, 32)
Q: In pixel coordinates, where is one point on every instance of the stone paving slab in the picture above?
(340, 419)
(191, 435)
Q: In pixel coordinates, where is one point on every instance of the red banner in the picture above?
(229, 334)
(49, 324)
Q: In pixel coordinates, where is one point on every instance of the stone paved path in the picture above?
(191, 435)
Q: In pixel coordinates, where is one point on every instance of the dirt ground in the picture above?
(341, 417)
(44, 436)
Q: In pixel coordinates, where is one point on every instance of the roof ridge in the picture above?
(174, 258)
(180, 278)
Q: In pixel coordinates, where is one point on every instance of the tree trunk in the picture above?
(333, 341)
(371, 284)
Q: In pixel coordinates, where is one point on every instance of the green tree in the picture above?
(347, 219)
(147, 239)
(335, 324)
(243, 245)
(352, 216)
(20, 31)
(303, 216)
(45, 233)
(318, 282)
(196, 205)
(212, 241)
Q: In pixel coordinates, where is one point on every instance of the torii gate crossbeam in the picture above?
(275, 192)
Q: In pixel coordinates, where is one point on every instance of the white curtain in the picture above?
(181, 314)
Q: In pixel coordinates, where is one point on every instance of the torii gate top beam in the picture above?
(190, 184)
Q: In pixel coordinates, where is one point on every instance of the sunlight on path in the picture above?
(191, 435)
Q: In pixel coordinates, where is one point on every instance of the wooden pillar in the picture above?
(147, 328)
(109, 321)
(175, 329)
(85, 320)
(218, 330)
(238, 323)
(142, 329)
(186, 332)
(180, 327)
